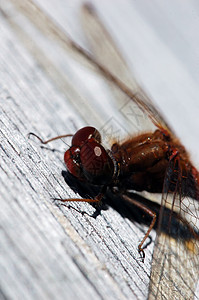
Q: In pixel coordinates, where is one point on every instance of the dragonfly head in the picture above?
(87, 159)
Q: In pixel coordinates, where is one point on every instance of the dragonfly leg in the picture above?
(50, 140)
(97, 199)
(149, 212)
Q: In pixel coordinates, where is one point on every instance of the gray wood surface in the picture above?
(49, 251)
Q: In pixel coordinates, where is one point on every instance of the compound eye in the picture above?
(84, 134)
(97, 165)
(71, 158)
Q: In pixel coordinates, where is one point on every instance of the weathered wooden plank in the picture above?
(49, 251)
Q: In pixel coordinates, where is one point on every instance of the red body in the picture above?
(153, 162)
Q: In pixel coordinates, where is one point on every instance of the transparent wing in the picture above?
(120, 78)
(175, 264)
(123, 84)
(176, 250)
(177, 272)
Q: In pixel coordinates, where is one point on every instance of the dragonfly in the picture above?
(175, 264)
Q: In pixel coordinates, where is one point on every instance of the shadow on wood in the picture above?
(171, 223)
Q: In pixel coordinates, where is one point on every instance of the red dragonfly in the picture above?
(155, 162)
